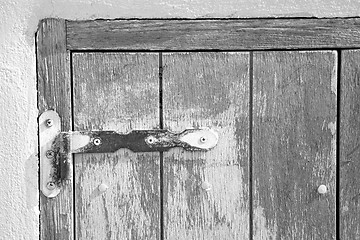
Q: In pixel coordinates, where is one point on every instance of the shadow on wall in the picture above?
(31, 182)
(110, 9)
(94, 9)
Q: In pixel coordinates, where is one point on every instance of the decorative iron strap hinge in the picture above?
(56, 147)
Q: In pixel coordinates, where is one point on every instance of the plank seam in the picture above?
(299, 49)
(72, 128)
(161, 116)
(38, 129)
(338, 123)
(251, 72)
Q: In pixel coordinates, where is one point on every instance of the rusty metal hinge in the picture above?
(56, 147)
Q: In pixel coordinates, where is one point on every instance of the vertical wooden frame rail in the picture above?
(54, 92)
(58, 38)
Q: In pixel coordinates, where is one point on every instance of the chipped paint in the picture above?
(332, 156)
(334, 80)
(263, 228)
(261, 102)
(332, 128)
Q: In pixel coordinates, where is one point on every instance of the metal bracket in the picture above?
(56, 147)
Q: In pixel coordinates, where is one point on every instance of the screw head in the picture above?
(203, 139)
(206, 186)
(97, 141)
(49, 122)
(50, 154)
(150, 140)
(322, 189)
(51, 185)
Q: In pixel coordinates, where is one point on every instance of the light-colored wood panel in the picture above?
(117, 91)
(294, 144)
(350, 146)
(207, 90)
(53, 76)
(215, 34)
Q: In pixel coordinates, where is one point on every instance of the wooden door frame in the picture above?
(57, 38)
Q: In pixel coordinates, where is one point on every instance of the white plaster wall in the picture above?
(18, 113)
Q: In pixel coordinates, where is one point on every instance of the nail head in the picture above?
(206, 186)
(322, 189)
(103, 187)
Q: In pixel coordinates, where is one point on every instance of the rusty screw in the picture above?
(97, 141)
(51, 185)
(50, 154)
(49, 123)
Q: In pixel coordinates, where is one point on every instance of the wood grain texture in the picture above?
(53, 75)
(294, 144)
(117, 91)
(350, 146)
(207, 90)
(220, 34)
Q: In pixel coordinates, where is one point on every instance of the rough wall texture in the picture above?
(18, 113)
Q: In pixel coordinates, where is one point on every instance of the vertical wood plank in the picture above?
(53, 73)
(207, 90)
(117, 91)
(350, 145)
(294, 144)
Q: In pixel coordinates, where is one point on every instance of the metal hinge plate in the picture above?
(56, 147)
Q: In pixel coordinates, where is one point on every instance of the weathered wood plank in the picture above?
(207, 90)
(117, 91)
(220, 34)
(350, 146)
(53, 74)
(294, 144)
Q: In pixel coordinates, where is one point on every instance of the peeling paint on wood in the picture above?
(117, 91)
(350, 146)
(210, 90)
(294, 144)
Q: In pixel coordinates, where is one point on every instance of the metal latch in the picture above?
(56, 147)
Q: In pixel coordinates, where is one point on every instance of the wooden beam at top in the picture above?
(213, 34)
